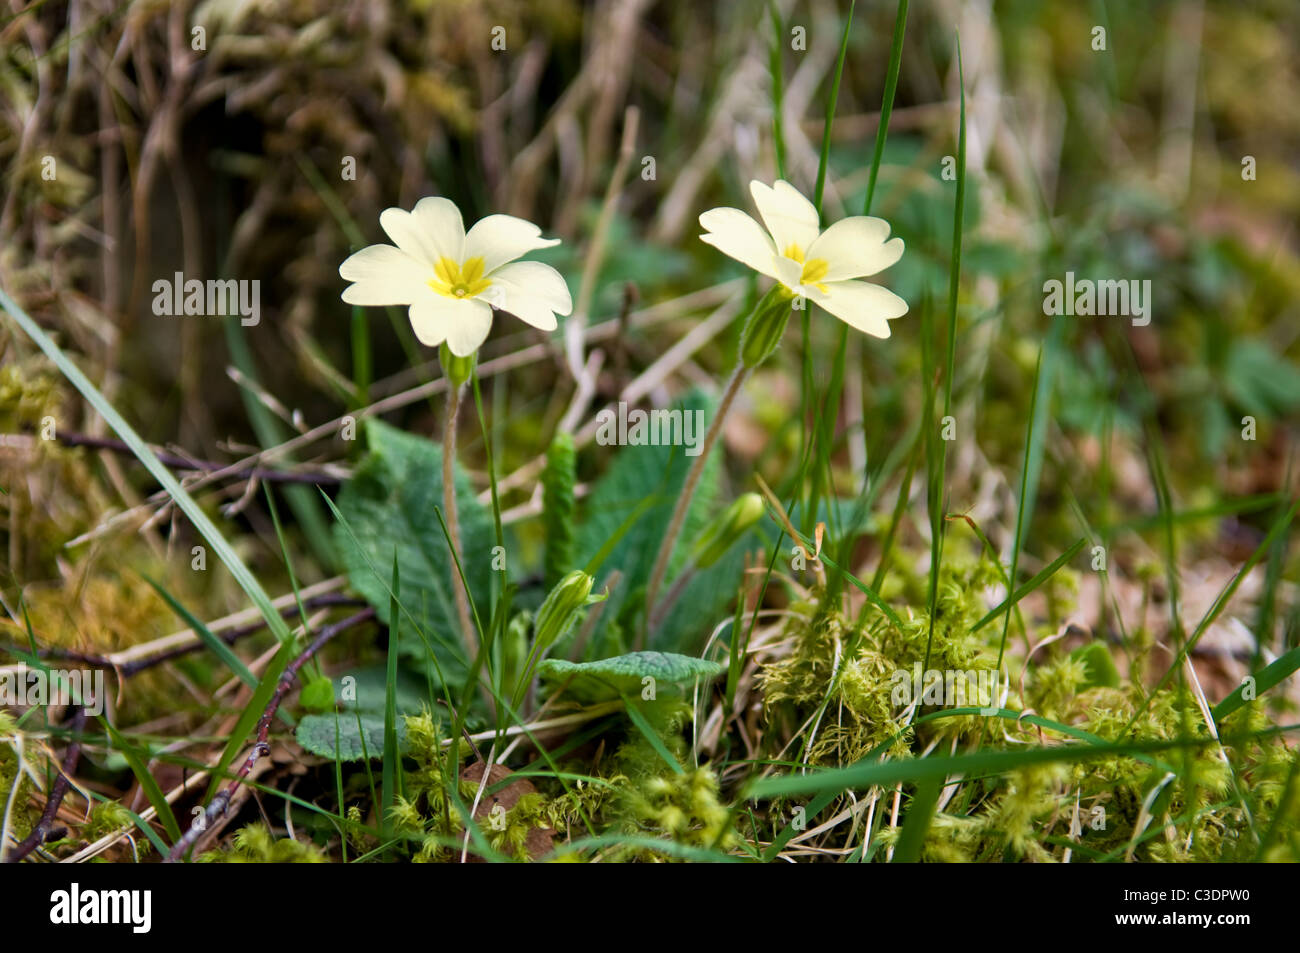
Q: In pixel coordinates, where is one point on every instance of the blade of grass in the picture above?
(218, 646)
(778, 87)
(830, 110)
(1267, 677)
(887, 102)
(652, 736)
(1037, 580)
(917, 822)
(937, 455)
(1021, 507)
(187, 504)
(147, 783)
(986, 762)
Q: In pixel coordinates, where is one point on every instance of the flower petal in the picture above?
(463, 323)
(534, 293)
(861, 305)
(384, 275)
(856, 247)
(789, 216)
(788, 272)
(498, 239)
(432, 231)
(736, 234)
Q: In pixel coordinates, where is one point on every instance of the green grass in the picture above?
(1068, 433)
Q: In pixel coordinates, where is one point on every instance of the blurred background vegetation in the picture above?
(230, 160)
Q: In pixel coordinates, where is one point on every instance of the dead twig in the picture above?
(261, 746)
(57, 792)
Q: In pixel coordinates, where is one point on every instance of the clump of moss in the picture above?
(27, 396)
(15, 786)
(109, 817)
(684, 807)
(830, 695)
(841, 668)
(850, 672)
(254, 844)
(653, 800)
(426, 816)
(1013, 816)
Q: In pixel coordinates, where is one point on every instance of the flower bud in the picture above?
(456, 369)
(562, 607)
(765, 327)
(722, 533)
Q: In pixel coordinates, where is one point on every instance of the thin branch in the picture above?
(205, 466)
(57, 791)
(229, 636)
(261, 746)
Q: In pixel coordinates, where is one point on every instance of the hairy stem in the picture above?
(734, 384)
(453, 520)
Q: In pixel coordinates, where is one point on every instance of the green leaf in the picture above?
(1101, 667)
(318, 694)
(362, 695)
(558, 480)
(1260, 380)
(1264, 679)
(389, 509)
(612, 678)
(640, 488)
(317, 734)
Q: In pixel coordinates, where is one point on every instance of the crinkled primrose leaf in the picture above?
(607, 679)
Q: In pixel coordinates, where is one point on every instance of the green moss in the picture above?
(254, 844)
(652, 800)
(22, 815)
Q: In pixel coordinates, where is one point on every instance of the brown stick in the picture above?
(221, 802)
(229, 636)
(57, 791)
(205, 466)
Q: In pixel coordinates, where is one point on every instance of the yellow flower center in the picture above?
(814, 270)
(459, 281)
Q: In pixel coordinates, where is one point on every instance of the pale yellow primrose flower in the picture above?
(452, 280)
(820, 266)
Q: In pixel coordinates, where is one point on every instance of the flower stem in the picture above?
(453, 519)
(734, 384)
